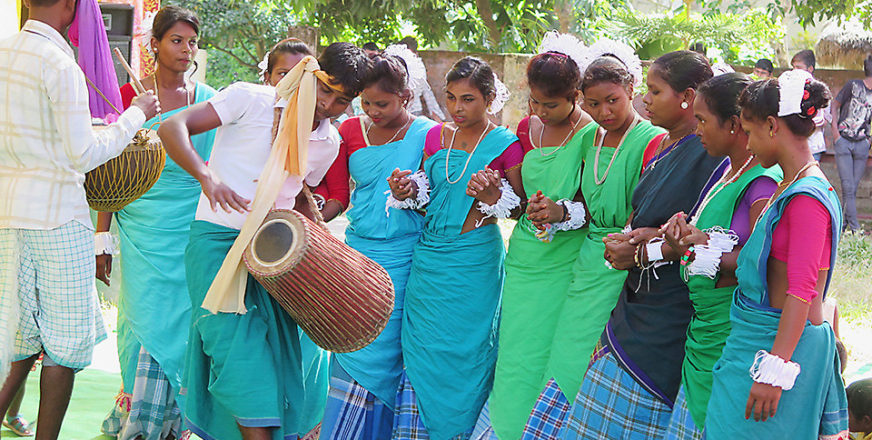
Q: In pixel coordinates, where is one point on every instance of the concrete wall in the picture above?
(511, 68)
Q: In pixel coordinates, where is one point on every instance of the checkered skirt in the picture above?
(681, 425)
(611, 404)
(352, 412)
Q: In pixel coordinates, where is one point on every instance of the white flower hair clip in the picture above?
(625, 54)
(722, 69)
(263, 65)
(417, 79)
(564, 44)
(501, 96)
(145, 27)
(791, 85)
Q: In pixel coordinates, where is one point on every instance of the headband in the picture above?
(417, 79)
(501, 96)
(791, 91)
(625, 54)
(329, 80)
(565, 45)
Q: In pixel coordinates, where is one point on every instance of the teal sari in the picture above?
(452, 299)
(154, 231)
(816, 406)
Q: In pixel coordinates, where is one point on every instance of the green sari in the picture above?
(533, 294)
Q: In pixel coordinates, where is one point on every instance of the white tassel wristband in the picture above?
(105, 244)
(421, 200)
(707, 257)
(576, 216)
(773, 370)
(503, 207)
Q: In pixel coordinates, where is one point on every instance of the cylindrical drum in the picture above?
(338, 296)
(123, 179)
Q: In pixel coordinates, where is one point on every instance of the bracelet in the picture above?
(503, 207)
(654, 249)
(686, 257)
(707, 259)
(420, 200)
(105, 244)
(637, 257)
(772, 370)
(575, 216)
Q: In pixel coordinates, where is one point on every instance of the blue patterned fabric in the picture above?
(352, 412)
(408, 424)
(549, 414)
(613, 405)
(681, 426)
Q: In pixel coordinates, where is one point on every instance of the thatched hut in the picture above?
(844, 46)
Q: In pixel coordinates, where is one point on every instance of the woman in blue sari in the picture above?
(452, 299)
(154, 231)
(363, 384)
(794, 389)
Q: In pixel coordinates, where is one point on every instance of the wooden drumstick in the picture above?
(140, 89)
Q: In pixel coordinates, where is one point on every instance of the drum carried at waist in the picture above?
(338, 296)
(111, 186)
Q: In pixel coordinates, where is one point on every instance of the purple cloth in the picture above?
(88, 33)
(760, 189)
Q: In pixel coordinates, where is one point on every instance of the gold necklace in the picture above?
(599, 149)
(451, 145)
(660, 148)
(392, 137)
(562, 144)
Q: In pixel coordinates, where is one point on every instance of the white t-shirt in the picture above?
(242, 146)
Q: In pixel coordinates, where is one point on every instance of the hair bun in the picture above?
(815, 97)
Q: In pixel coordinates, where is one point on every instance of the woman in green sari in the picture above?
(728, 211)
(550, 171)
(612, 149)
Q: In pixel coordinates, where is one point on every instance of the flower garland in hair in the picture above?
(501, 96)
(417, 73)
(617, 49)
(791, 90)
(263, 65)
(564, 44)
(145, 27)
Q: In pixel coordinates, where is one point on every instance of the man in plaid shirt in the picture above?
(48, 300)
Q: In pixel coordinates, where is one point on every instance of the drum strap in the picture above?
(287, 157)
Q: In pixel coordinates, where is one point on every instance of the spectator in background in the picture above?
(415, 107)
(805, 60)
(851, 131)
(763, 68)
(371, 49)
(860, 409)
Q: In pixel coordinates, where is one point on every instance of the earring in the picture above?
(684, 105)
(771, 133)
(732, 131)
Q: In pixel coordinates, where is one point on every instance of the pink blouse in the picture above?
(803, 239)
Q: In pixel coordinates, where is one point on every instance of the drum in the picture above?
(121, 180)
(338, 296)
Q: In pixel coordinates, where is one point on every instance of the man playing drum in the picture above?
(257, 339)
(48, 300)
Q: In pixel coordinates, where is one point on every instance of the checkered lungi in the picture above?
(548, 415)
(681, 425)
(611, 404)
(352, 412)
(153, 413)
(53, 272)
(407, 420)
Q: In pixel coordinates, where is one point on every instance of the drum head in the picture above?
(276, 240)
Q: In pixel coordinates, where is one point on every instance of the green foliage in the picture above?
(733, 38)
(850, 282)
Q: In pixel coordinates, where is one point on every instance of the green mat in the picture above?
(93, 396)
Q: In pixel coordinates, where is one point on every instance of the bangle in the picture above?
(772, 370)
(686, 257)
(565, 213)
(104, 243)
(637, 257)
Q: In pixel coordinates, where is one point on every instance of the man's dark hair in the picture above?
(867, 66)
(765, 64)
(410, 42)
(806, 56)
(348, 64)
(370, 46)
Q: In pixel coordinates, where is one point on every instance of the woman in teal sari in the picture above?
(794, 389)
(154, 310)
(451, 314)
(363, 384)
(718, 231)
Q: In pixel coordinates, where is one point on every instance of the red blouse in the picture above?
(127, 95)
